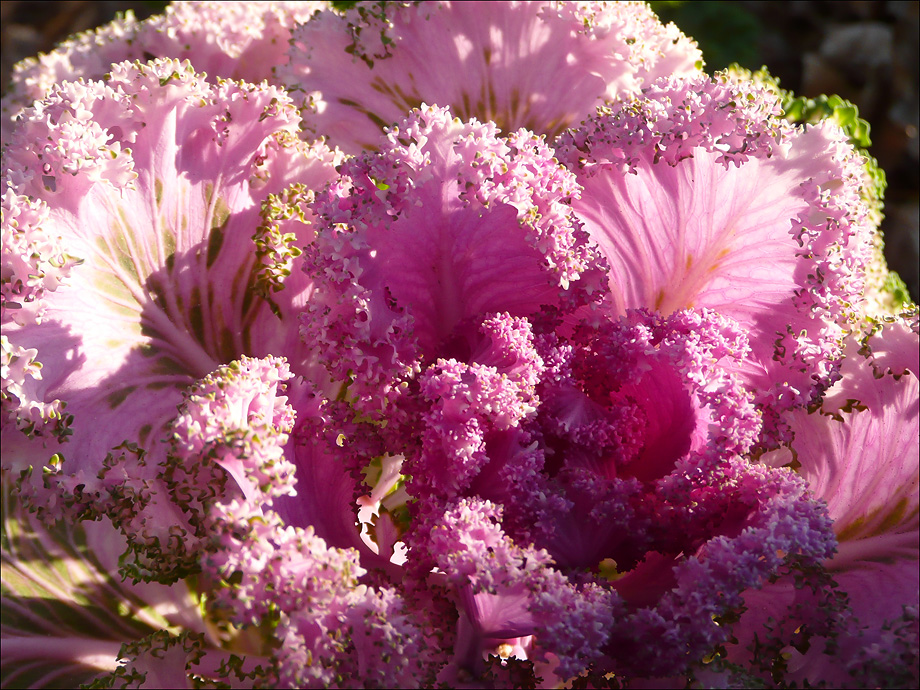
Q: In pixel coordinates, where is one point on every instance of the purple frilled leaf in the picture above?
(416, 244)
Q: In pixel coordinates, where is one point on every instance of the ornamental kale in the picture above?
(432, 344)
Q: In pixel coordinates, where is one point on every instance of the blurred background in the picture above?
(866, 51)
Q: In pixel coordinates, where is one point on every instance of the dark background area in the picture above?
(866, 51)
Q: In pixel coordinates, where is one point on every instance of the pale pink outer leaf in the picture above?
(229, 40)
(167, 289)
(699, 195)
(65, 611)
(860, 454)
(505, 62)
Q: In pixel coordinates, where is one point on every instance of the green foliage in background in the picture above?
(725, 31)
